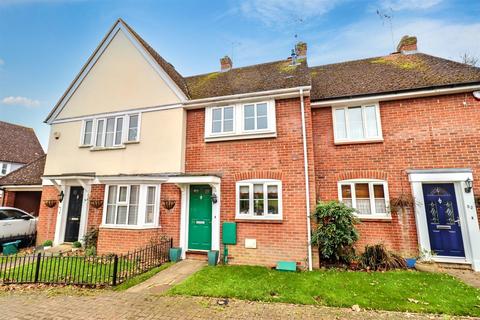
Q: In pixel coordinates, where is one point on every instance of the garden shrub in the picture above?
(335, 232)
(77, 244)
(377, 257)
(91, 238)
(47, 243)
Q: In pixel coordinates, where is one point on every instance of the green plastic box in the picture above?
(10, 247)
(229, 234)
(175, 254)
(286, 266)
(212, 257)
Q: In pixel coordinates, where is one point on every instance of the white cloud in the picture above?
(369, 39)
(20, 101)
(281, 11)
(397, 5)
(2, 62)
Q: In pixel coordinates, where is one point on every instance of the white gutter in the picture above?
(307, 182)
(394, 96)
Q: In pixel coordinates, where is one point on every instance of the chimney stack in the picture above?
(226, 63)
(407, 45)
(301, 50)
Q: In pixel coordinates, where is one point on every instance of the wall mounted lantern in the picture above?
(61, 195)
(468, 185)
(214, 198)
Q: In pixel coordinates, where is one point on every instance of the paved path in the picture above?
(127, 305)
(165, 279)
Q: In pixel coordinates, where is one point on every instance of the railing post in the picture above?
(115, 269)
(37, 267)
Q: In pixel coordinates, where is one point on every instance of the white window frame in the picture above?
(92, 137)
(250, 215)
(238, 131)
(371, 183)
(7, 168)
(127, 122)
(255, 106)
(222, 120)
(348, 139)
(141, 208)
(124, 133)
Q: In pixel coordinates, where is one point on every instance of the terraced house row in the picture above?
(140, 151)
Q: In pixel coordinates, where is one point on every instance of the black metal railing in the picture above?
(102, 270)
(27, 239)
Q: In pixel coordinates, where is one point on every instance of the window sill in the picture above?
(375, 218)
(258, 220)
(131, 142)
(85, 146)
(343, 142)
(104, 226)
(107, 148)
(242, 136)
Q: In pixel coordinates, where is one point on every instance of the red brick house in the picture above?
(141, 151)
(20, 150)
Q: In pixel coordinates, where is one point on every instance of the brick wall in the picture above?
(9, 199)
(423, 133)
(123, 240)
(274, 158)
(47, 217)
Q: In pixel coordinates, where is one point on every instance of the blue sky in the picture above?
(44, 43)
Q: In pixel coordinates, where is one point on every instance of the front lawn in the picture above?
(394, 290)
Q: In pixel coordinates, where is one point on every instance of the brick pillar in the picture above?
(97, 192)
(9, 200)
(47, 217)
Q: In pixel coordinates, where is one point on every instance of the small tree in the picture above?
(335, 233)
(469, 59)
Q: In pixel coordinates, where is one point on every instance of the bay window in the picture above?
(259, 199)
(131, 206)
(357, 124)
(368, 197)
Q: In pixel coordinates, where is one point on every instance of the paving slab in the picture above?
(165, 279)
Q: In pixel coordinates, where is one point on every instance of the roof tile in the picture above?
(18, 144)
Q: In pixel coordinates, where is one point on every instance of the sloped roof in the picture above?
(392, 73)
(29, 174)
(261, 77)
(166, 66)
(18, 144)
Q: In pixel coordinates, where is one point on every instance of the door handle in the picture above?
(199, 222)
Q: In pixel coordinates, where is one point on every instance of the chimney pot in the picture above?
(408, 44)
(301, 50)
(226, 63)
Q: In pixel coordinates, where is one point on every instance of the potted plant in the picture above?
(77, 245)
(47, 244)
(175, 254)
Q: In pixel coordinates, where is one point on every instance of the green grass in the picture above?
(395, 290)
(142, 277)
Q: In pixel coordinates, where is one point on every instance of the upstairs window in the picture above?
(125, 208)
(133, 124)
(240, 121)
(368, 197)
(255, 116)
(3, 168)
(357, 124)
(222, 119)
(110, 132)
(259, 199)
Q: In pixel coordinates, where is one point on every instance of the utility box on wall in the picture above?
(229, 234)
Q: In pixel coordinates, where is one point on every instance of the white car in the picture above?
(16, 223)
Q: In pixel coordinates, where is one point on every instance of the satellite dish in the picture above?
(476, 94)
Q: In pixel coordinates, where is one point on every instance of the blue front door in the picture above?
(442, 219)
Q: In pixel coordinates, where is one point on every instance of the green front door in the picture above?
(200, 218)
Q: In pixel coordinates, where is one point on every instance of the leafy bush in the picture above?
(47, 243)
(377, 257)
(77, 244)
(335, 233)
(91, 238)
(90, 251)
